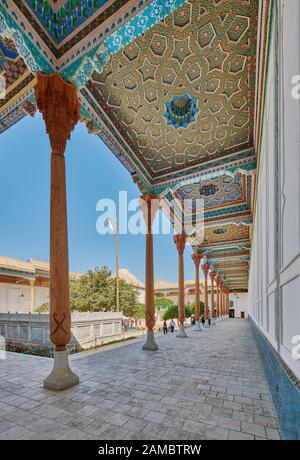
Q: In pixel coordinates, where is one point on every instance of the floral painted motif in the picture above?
(81, 70)
(142, 22)
(33, 59)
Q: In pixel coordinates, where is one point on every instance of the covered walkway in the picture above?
(209, 386)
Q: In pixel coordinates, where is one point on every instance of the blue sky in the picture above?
(93, 173)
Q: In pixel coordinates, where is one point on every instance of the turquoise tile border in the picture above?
(283, 384)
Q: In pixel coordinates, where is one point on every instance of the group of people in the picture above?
(172, 323)
(171, 326)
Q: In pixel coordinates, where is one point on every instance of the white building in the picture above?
(274, 285)
(24, 285)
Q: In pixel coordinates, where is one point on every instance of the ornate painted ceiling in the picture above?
(17, 81)
(171, 86)
(205, 47)
(225, 199)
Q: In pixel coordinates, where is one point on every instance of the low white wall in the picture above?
(88, 329)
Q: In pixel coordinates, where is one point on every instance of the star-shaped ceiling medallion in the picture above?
(181, 111)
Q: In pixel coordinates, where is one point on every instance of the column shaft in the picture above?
(60, 322)
(180, 241)
(212, 278)
(197, 259)
(221, 299)
(149, 205)
(205, 268)
(32, 296)
(218, 299)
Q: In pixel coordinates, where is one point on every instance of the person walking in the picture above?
(165, 327)
(172, 325)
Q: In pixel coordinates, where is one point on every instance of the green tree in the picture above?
(96, 291)
(44, 308)
(162, 303)
(192, 307)
(140, 311)
(128, 299)
(172, 311)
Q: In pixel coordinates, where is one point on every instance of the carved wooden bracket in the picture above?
(149, 205)
(180, 241)
(58, 102)
(212, 276)
(205, 268)
(197, 258)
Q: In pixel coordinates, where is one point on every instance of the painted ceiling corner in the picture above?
(170, 86)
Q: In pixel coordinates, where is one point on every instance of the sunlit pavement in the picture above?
(208, 386)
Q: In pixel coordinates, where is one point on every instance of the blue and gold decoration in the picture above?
(181, 111)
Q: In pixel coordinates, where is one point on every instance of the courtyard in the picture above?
(208, 386)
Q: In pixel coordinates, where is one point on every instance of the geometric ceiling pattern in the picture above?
(207, 47)
(170, 86)
(221, 191)
(226, 199)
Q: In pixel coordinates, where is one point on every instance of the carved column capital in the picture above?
(212, 276)
(205, 268)
(58, 102)
(180, 241)
(149, 205)
(197, 259)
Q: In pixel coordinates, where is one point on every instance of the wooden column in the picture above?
(180, 241)
(32, 295)
(205, 268)
(149, 205)
(218, 297)
(221, 298)
(212, 278)
(197, 259)
(58, 102)
(227, 302)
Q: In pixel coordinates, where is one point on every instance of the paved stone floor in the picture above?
(208, 386)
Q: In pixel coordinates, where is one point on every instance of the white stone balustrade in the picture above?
(88, 329)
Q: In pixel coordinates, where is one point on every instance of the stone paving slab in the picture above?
(208, 386)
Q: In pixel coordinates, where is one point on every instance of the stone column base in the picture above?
(61, 376)
(213, 321)
(198, 326)
(150, 344)
(181, 332)
(206, 324)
